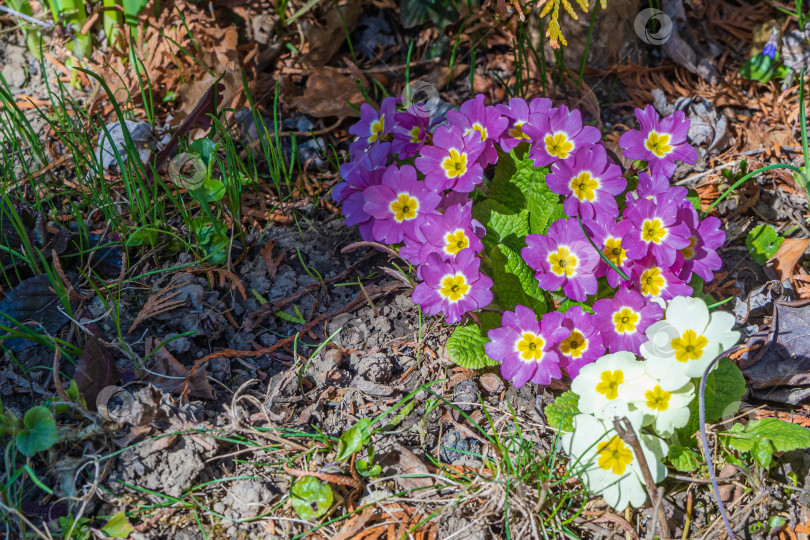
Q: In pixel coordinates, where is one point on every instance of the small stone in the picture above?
(465, 395)
(491, 383)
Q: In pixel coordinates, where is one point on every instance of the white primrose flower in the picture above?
(608, 379)
(665, 410)
(607, 465)
(682, 345)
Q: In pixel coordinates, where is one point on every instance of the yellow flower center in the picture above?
(456, 241)
(416, 134)
(558, 145)
(480, 129)
(404, 207)
(454, 287)
(652, 230)
(455, 164)
(574, 345)
(531, 347)
(517, 131)
(584, 186)
(658, 143)
(563, 262)
(614, 455)
(652, 282)
(625, 320)
(689, 252)
(609, 387)
(614, 252)
(657, 399)
(689, 346)
(376, 128)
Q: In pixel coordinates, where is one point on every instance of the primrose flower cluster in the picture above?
(409, 185)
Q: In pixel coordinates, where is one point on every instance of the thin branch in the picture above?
(626, 432)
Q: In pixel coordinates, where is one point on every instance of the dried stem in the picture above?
(626, 432)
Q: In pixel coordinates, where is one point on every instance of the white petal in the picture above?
(684, 313)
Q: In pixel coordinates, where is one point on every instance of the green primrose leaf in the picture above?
(311, 498)
(504, 226)
(684, 459)
(514, 281)
(466, 347)
(761, 438)
(38, 433)
(560, 414)
(763, 242)
(353, 439)
(520, 186)
(118, 526)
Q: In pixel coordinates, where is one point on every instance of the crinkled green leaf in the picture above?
(118, 526)
(503, 225)
(560, 414)
(519, 186)
(684, 459)
(466, 347)
(311, 498)
(759, 435)
(763, 242)
(353, 439)
(38, 433)
(514, 281)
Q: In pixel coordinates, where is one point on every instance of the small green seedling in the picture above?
(311, 498)
(366, 467)
(763, 242)
(354, 439)
(35, 433)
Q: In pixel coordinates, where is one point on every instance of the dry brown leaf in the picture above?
(401, 461)
(270, 261)
(784, 262)
(327, 93)
(168, 374)
(325, 41)
(161, 302)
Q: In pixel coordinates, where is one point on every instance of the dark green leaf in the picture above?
(353, 439)
(38, 433)
(514, 281)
